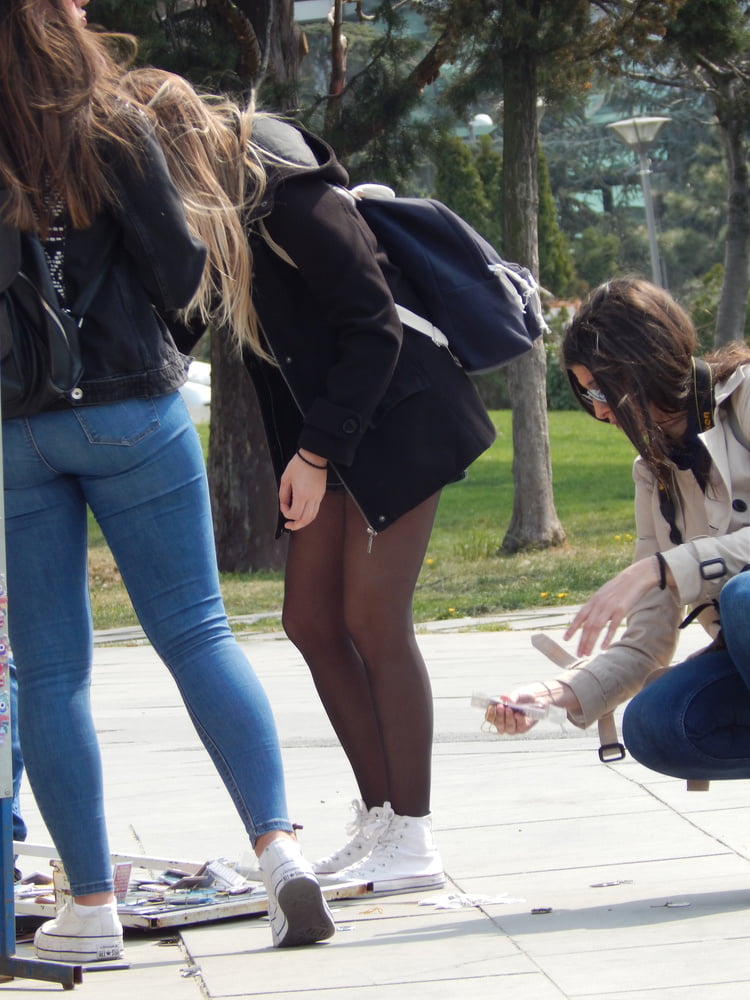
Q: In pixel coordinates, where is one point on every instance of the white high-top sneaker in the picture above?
(403, 860)
(297, 911)
(365, 830)
(81, 934)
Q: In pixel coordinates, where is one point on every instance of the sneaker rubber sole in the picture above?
(307, 916)
(78, 950)
(405, 883)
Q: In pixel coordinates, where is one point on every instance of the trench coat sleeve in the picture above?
(648, 643)
(335, 258)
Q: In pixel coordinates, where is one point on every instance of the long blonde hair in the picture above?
(206, 142)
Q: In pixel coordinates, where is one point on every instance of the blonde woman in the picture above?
(366, 422)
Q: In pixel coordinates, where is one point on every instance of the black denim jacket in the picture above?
(152, 267)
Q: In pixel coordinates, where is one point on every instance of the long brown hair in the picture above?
(206, 142)
(58, 108)
(639, 343)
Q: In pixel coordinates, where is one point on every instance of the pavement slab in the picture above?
(567, 878)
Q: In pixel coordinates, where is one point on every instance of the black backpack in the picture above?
(40, 361)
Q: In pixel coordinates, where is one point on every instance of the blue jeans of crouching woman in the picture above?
(694, 721)
(138, 465)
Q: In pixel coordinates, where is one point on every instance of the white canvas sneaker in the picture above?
(405, 859)
(365, 830)
(296, 908)
(81, 934)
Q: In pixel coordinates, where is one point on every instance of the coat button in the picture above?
(350, 426)
(739, 505)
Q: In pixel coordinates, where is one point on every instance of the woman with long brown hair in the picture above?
(630, 355)
(81, 170)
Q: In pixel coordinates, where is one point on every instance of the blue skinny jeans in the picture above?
(694, 720)
(138, 465)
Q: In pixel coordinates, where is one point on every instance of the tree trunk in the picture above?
(337, 79)
(534, 522)
(732, 313)
(243, 487)
(279, 38)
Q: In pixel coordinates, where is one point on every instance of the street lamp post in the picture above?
(639, 134)
(480, 124)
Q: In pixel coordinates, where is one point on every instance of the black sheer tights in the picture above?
(349, 613)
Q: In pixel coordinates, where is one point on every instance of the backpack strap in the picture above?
(78, 309)
(407, 317)
(421, 325)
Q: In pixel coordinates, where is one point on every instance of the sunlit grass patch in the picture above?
(465, 572)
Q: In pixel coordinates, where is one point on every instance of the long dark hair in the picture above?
(639, 343)
(58, 110)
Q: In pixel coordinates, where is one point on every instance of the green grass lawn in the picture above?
(464, 572)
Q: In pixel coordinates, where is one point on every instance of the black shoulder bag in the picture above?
(40, 355)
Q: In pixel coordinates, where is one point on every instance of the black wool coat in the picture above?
(394, 414)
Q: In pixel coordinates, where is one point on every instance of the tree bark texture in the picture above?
(243, 487)
(732, 312)
(534, 522)
(279, 39)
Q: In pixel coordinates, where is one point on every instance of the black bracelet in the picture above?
(662, 570)
(308, 462)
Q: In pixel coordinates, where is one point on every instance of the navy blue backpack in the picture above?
(485, 310)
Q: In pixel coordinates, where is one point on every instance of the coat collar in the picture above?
(715, 439)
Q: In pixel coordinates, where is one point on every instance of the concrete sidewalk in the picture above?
(569, 878)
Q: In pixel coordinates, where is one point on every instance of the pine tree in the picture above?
(710, 43)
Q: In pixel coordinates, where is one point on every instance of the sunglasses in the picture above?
(593, 396)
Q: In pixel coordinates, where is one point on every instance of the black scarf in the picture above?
(689, 453)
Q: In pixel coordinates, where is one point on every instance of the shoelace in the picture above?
(385, 850)
(367, 825)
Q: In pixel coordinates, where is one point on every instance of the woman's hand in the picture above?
(612, 602)
(515, 723)
(302, 488)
